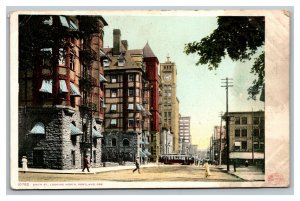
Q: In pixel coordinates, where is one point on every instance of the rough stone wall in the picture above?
(57, 144)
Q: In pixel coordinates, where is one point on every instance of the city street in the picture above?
(157, 173)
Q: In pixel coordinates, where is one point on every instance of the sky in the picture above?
(198, 89)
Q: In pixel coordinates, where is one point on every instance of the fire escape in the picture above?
(87, 84)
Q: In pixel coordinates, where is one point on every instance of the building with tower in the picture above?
(61, 90)
(170, 102)
(127, 118)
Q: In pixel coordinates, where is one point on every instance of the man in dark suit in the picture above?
(137, 166)
(86, 163)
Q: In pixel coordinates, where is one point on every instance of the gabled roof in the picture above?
(147, 51)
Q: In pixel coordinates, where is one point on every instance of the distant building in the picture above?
(247, 136)
(127, 115)
(61, 96)
(184, 132)
(219, 145)
(166, 142)
(170, 102)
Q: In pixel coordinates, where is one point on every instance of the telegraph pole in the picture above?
(227, 81)
(220, 147)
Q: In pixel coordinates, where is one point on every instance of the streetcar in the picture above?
(176, 159)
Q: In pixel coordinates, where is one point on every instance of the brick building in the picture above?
(61, 92)
(247, 136)
(127, 122)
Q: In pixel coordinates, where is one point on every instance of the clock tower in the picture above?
(170, 103)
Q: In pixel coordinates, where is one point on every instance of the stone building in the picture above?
(166, 140)
(61, 94)
(170, 102)
(127, 122)
(247, 137)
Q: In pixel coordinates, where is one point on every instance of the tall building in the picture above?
(170, 102)
(61, 90)
(127, 115)
(247, 137)
(184, 132)
(152, 63)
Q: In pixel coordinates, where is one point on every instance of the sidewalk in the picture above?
(92, 170)
(250, 173)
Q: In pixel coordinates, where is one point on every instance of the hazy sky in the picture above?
(198, 89)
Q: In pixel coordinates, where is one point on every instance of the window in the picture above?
(113, 142)
(138, 123)
(237, 120)
(244, 145)
(61, 60)
(255, 146)
(121, 62)
(125, 143)
(94, 156)
(113, 93)
(46, 56)
(113, 79)
(113, 107)
(262, 121)
(106, 63)
(72, 61)
(255, 120)
(262, 145)
(73, 157)
(244, 132)
(244, 120)
(102, 142)
(130, 122)
(130, 106)
(170, 114)
(255, 132)
(262, 132)
(130, 77)
(137, 78)
(102, 105)
(137, 92)
(130, 92)
(113, 122)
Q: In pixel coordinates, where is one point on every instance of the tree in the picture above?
(239, 38)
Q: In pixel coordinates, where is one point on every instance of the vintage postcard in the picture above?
(150, 99)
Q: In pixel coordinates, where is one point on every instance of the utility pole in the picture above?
(227, 81)
(220, 147)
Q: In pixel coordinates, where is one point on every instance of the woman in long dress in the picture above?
(24, 164)
(207, 171)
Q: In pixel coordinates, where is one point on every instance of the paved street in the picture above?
(154, 173)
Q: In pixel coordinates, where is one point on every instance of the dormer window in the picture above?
(121, 60)
(106, 63)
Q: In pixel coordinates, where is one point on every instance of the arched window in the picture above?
(113, 142)
(125, 143)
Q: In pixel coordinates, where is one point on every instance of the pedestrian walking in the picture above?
(246, 163)
(24, 164)
(207, 171)
(86, 164)
(137, 166)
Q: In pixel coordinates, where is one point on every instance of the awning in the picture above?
(46, 86)
(238, 144)
(75, 130)
(63, 86)
(138, 107)
(102, 78)
(113, 107)
(147, 152)
(142, 154)
(113, 122)
(64, 21)
(73, 25)
(38, 128)
(246, 155)
(130, 106)
(142, 108)
(74, 90)
(96, 134)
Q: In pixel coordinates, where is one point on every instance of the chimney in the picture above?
(125, 44)
(117, 42)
